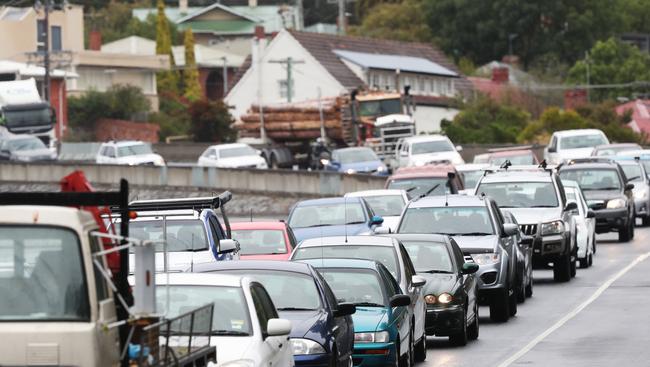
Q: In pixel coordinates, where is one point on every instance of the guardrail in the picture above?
(253, 180)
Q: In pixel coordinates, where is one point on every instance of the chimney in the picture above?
(259, 32)
(500, 75)
(252, 3)
(95, 40)
(182, 6)
(575, 98)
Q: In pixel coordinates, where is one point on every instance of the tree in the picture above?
(210, 121)
(167, 80)
(612, 62)
(191, 84)
(397, 21)
(486, 121)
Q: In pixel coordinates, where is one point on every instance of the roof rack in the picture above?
(119, 199)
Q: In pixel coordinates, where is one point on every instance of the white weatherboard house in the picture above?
(328, 65)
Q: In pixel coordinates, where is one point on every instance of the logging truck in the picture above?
(299, 134)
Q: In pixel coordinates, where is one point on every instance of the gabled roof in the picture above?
(227, 9)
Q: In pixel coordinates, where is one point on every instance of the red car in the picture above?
(264, 240)
(430, 179)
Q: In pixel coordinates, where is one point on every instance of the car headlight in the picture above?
(377, 337)
(238, 363)
(486, 259)
(430, 299)
(641, 194)
(159, 161)
(443, 298)
(616, 204)
(381, 168)
(554, 227)
(350, 171)
(325, 162)
(306, 346)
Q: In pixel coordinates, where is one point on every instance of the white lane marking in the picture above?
(573, 313)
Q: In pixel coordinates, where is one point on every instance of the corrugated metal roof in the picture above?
(411, 64)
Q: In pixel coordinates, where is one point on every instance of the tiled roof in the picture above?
(640, 114)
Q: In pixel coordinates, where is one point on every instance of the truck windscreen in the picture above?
(380, 107)
(28, 117)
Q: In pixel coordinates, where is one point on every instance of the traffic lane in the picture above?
(550, 302)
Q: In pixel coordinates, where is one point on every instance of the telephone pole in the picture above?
(289, 61)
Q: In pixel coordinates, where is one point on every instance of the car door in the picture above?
(111, 155)
(468, 280)
(399, 316)
(274, 350)
(508, 243)
(341, 328)
(419, 307)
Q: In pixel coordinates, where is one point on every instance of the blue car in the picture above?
(322, 332)
(355, 160)
(381, 325)
(332, 217)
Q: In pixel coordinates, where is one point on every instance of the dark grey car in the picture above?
(24, 148)
(478, 227)
(524, 260)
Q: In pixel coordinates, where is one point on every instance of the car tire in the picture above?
(412, 348)
(521, 291)
(421, 349)
(584, 263)
(512, 299)
(562, 269)
(590, 260)
(473, 329)
(399, 361)
(645, 221)
(574, 267)
(593, 244)
(529, 287)
(459, 339)
(632, 226)
(500, 307)
(624, 234)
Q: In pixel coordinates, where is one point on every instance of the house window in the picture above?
(40, 35)
(284, 91)
(56, 38)
(375, 81)
(452, 87)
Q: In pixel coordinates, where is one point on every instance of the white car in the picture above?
(245, 328)
(130, 153)
(232, 156)
(585, 224)
(571, 144)
(423, 149)
(470, 173)
(386, 203)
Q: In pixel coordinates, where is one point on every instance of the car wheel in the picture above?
(459, 339)
(624, 233)
(500, 307)
(421, 349)
(529, 287)
(412, 348)
(472, 331)
(645, 221)
(632, 225)
(574, 267)
(512, 299)
(593, 243)
(584, 263)
(562, 269)
(399, 362)
(521, 290)
(274, 162)
(590, 260)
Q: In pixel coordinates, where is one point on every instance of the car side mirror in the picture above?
(459, 148)
(451, 175)
(400, 300)
(418, 281)
(376, 220)
(382, 230)
(345, 309)
(629, 186)
(227, 246)
(571, 206)
(591, 214)
(470, 268)
(510, 229)
(278, 327)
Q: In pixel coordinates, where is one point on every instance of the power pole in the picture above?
(225, 76)
(46, 56)
(289, 61)
(341, 17)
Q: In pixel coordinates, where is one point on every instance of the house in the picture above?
(211, 62)
(324, 65)
(229, 28)
(640, 109)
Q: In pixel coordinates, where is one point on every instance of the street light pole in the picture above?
(46, 56)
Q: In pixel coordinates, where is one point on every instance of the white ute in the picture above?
(572, 144)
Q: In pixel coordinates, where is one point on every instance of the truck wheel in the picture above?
(624, 234)
(562, 269)
(274, 162)
(500, 307)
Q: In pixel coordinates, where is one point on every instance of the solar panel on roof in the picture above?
(394, 62)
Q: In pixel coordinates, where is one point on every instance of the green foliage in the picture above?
(612, 62)
(486, 121)
(364, 7)
(191, 84)
(397, 21)
(167, 80)
(466, 66)
(210, 122)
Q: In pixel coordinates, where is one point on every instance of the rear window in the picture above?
(182, 235)
(593, 179)
(260, 241)
(521, 194)
(383, 254)
(582, 141)
(420, 186)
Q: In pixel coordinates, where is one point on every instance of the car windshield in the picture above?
(471, 177)
(582, 141)
(327, 215)
(358, 286)
(386, 205)
(521, 194)
(593, 179)
(429, 257)
(230, 316)
(420, 186)
(383, 254)
(646, 165)
(182, 235)
(451, 220)
(354, 155)
(435, 146)
(260, 241)
(236, 152)
(289, 291)
(25, 144)
(135, 149)
(519, 159)
(41, 275)
(632, 172)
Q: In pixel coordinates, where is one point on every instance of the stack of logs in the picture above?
(294, 122)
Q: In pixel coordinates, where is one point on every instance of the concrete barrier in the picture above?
(263, 181)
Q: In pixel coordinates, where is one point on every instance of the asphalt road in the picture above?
(600, 318)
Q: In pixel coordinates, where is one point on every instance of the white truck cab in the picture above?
(572, 144)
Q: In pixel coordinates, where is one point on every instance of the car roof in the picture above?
(258, 225)
(420, 138)
(428, 170)
(216, 266)
(447, 200)
(349, 240)
(342, 263)
(332, 200)
(122, 143)
(472, 167)
(577, 132)
(510, 153)
(517, 176)
(380, 192)
(350, 149)
(229, 145)
(422, 237)
(590, 165)
(222, 280)
(616, 145)
(630, 162)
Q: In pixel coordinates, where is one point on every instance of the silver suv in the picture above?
(536, 197)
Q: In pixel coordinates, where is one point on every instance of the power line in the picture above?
(289, 62)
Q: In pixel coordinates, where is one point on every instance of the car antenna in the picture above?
(505, 165)
(446, 200)
(543, 164)
(251, 209)
(345, 218)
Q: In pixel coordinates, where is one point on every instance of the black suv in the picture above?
(608, 193)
